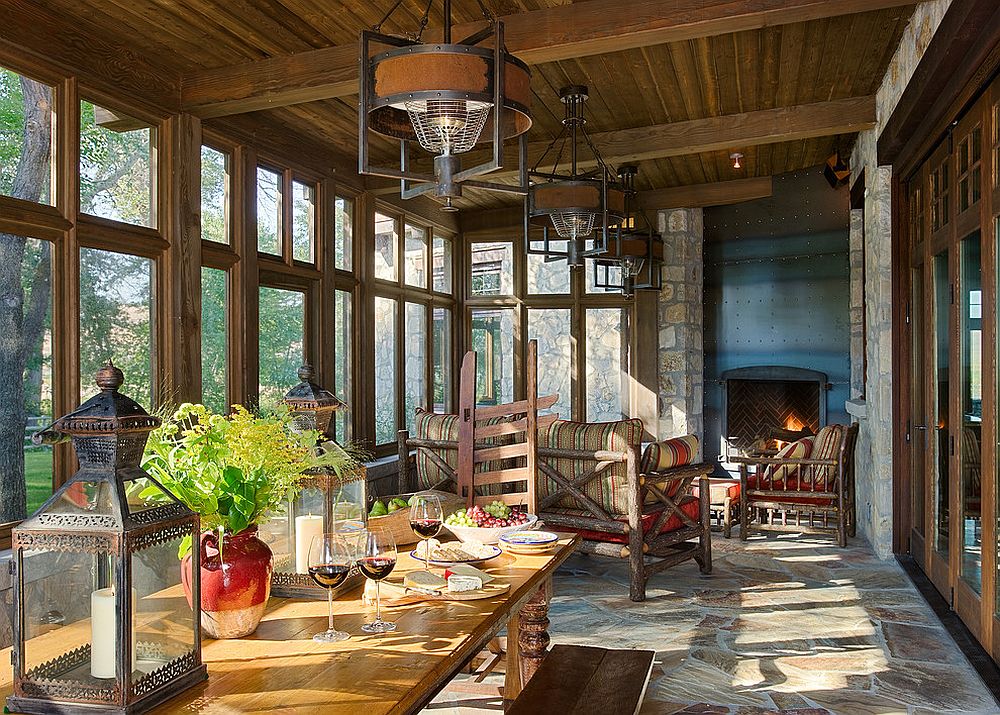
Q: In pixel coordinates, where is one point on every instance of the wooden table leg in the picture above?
(527, 641)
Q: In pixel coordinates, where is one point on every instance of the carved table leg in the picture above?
(533, 639)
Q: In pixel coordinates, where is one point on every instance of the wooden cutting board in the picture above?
(393, 593)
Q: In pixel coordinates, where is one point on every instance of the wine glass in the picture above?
(330, 559)
(376, 561)
(425, 520)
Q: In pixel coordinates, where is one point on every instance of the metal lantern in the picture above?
(573, 205)
(444, 96)
(326, 502)
(107, 617)
(633, 259)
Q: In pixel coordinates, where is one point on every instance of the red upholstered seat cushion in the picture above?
(690, 507)
(792, 485)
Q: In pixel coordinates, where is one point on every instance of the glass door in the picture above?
(939, 511)
(970, 449)
(920, 443)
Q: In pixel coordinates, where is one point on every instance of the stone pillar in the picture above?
(857, 258)
(680, 318)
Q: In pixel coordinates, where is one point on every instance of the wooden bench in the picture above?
(581, 680)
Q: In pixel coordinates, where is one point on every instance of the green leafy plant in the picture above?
(234, 470)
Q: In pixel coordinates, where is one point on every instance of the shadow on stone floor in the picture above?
(789, 624)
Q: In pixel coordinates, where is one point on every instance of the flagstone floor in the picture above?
(788, 624)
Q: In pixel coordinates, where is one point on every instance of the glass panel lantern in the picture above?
(326, 501)
(104, 620)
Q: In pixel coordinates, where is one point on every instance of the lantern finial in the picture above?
(109, 378)
(306, 373)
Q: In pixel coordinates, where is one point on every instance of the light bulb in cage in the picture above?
(632, 265)
(573, 225)
(448, 126)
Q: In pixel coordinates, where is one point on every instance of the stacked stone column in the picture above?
(680, 323)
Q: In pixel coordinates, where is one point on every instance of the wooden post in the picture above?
(531, 417)
(403, 460)
(533, 637)
(636, 563)
(744, 504)
(704, 495)
(466, 427)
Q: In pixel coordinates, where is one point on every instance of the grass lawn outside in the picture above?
(38, 477)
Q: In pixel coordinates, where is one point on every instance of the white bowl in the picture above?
(489, 536)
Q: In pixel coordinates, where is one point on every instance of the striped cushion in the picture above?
(827, 445)
(669, 453)
(428, 425)
(800, 449)
(610, 490)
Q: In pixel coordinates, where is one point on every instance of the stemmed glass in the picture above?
(330, 559)
(425, 520)
(376, 561)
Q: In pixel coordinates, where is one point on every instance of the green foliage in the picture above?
(280, 343)
(114, 171)
(233, 470)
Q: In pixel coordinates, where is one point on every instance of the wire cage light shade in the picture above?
(448, 126)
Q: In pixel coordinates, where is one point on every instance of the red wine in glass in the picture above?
(426, 528)
(376, 568)
(329, 575)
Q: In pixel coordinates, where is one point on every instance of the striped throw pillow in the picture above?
(668, 453)
(610, 489)
(828, 442)
(799, 449)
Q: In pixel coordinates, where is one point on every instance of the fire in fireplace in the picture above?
(765, 407)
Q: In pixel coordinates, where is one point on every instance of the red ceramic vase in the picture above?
(235, 582)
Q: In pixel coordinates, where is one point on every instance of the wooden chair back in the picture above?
(517, 423)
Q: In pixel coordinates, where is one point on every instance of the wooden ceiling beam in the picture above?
(576, 30)
(508, 219)
(720, 193)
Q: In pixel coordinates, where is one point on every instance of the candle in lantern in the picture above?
(104, 633)
(307, 527)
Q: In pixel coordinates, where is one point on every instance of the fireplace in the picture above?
(762, 406)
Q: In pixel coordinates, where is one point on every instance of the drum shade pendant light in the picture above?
(575, 205)
(447, 97)
(633, 259)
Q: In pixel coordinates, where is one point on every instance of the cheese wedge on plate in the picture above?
(424, 581)
(459, 584)
(468, 570)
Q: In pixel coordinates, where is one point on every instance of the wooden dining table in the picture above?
(280, 668)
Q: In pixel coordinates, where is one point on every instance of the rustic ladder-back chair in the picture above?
(516, 424)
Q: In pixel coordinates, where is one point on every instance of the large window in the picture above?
(214, 339)
(343, 233)
(281, 342)
(116, 321)
(116, 166)
(215, 197)
(413, 335)
(303, 221)
(25, 157)
(268, 211)
(607, 386)
(493, 341)
(342, 346)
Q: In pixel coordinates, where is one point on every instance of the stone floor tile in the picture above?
(784, 624)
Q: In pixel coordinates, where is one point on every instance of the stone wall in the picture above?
(680, 365)
(874, 452)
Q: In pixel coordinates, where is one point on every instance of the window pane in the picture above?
(303, 221)
(25, 102)
(25, 376)
(551, 328)
(493, 341)
(613, 276)
(342, 360)
(115, 166)
(492, 269)
(214, 195)
(385, 370)
(214, 337)
(268, 212)
(547, 277)
(343, 240)
(606, 396)
(416, 360)
(281, 343)
(442, 264)
(116, 319)
(416, 256)
(971, 385)
(386, 245)
(442, 360)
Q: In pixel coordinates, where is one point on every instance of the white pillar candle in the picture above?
(104, 634)
(307, 527)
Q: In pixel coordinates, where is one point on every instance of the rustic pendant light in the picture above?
(577, 204)
(633, 259)
(446, 97)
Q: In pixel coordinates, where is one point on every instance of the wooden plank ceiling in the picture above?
(791, 63)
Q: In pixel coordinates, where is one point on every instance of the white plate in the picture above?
(434, 562)
(529, 539)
